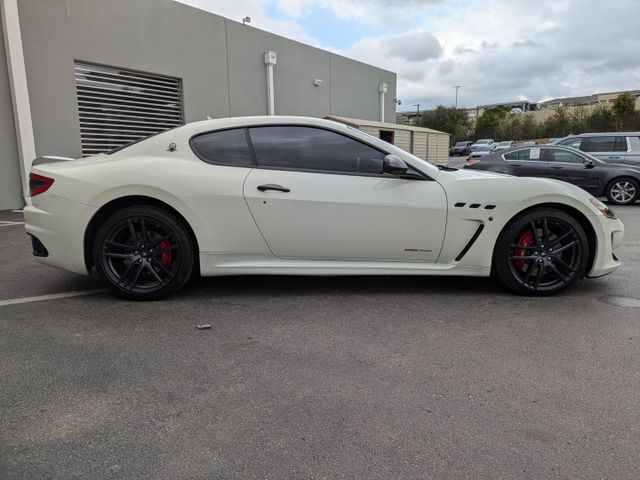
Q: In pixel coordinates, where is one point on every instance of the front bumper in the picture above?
(59, 225)
(609, 235)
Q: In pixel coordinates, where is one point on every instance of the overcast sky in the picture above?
(497, 50)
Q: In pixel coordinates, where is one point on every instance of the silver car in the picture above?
(615, 147)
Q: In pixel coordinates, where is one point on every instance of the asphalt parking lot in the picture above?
(376, 377)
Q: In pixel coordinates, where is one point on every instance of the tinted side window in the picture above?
(553, 155)
(571, 142)
(227, 147)
(308, 148)
(523, 154)
(600, 144)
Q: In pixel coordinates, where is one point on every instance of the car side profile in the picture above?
(303, 196)
(612, 147)
(619, 183)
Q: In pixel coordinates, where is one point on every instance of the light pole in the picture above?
(457, 87)
(418, 107)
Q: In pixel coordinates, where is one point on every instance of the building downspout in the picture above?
(270, 59)
(383, 90)
(19, 91)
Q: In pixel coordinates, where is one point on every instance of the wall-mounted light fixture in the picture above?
(246, 20)
(317, 82)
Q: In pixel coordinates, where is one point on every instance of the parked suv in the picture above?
(618, 147)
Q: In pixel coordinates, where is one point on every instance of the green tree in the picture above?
(579, 119)
(624, 108)
(454, 121)
(602, 119)
(488, 123)
(558, 124)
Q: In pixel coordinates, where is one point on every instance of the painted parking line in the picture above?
(53, 296)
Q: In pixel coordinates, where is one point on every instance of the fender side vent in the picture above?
(474, 205)
(471, 242)
(489, 207)
(460, 204)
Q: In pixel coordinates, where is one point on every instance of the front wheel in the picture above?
(144, 253)
(622, 191)
(541, 252)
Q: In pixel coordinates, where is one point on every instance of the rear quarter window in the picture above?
(226, 147)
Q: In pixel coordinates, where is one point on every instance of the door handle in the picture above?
(273, 186)
(614, 158)
(556, 167)
(516, 165)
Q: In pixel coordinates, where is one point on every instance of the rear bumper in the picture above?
(58, 225)
(610, 234)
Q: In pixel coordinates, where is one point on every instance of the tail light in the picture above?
(38, 184)
(472, 162)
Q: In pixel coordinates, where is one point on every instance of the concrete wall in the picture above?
(10, 190)
(219, 61)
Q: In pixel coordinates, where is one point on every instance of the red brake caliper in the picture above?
(525, 240)
(165, 257)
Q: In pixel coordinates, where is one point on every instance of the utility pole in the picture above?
(418, 107)
(457, 87)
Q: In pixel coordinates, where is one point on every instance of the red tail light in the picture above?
(472, 162)
(38, 184)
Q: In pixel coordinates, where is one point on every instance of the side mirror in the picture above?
(394, 165)
(588, 163)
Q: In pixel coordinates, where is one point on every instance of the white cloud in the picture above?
(497, 50)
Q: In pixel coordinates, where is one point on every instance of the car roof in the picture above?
(603, 134)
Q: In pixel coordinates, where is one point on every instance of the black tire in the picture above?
(622, 191)
(144, 253)
(545, 262)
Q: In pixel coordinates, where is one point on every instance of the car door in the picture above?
(318, 194)
(526, 162)
(570, 167)
(632, 157)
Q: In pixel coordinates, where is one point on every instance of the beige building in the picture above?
(424, 143)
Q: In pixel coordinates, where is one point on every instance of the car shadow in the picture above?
(353, 285)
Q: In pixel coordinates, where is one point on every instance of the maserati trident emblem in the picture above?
(172, 147)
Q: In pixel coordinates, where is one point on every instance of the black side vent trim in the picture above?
(471, 242)
(460, 204)
(489, 207)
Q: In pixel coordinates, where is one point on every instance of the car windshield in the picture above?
(483, 148)
(505, 144)
(482, 142)
(461, 144)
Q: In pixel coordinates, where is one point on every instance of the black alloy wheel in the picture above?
(541, 252)
(144, 253)
(622, 191)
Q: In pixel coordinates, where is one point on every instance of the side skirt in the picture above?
(219, 264)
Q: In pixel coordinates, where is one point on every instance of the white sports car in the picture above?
(303, 196)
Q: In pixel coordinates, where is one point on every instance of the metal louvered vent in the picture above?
(119, 106)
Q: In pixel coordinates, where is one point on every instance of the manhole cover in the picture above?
(620, 301)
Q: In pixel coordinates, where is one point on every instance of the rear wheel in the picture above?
(144, 253)
(622, 191)
(541, 252)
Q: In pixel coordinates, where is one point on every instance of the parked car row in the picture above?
(480, 147)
